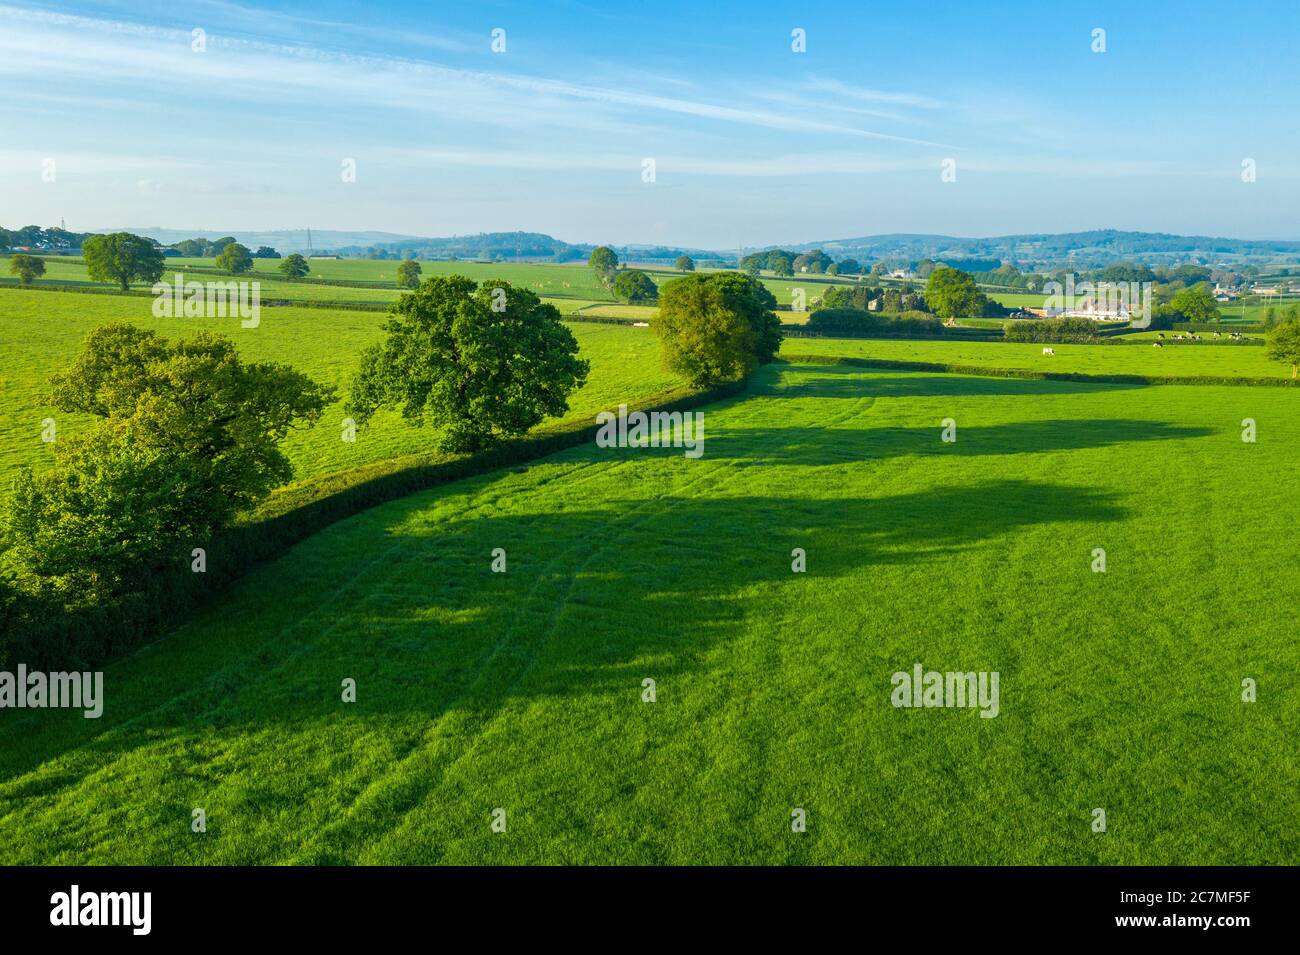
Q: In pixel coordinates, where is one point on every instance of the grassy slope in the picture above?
(522, 690)
(41, 332)
(1221, 360)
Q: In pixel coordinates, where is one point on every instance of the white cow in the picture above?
(1049, 351)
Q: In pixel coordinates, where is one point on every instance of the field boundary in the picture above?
(146, 293)
(1033, 373)
(58, 637)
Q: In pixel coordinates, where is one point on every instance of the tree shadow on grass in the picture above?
(858, 381)
(811, 446)
(427, 630)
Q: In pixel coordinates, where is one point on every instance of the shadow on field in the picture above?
(593, 599)
(817, 446)
(857, 381)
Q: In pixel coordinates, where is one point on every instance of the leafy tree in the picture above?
(685, 263)
(122, 258)
(1283, 344)
(235, 259)
(780, 265)
(266, 252)
(294, 266)
(634, 287)
(480, 362)
(604, 261)
(717, 327)
(408, 274)
(26, 267)
(952, 293)
(1195, 304)
(187, 436)
(850, 267)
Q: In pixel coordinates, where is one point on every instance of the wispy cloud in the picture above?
(255, 69)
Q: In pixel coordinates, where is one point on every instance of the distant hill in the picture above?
(283, 241)
(1038, 250)
(1080, 249)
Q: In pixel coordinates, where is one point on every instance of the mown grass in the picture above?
(41, 332)
(1224, 361)
(523, 690)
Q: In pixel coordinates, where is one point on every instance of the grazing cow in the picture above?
(1049, 351)
(1160, 334)
(1216, 334)
(1158, 345)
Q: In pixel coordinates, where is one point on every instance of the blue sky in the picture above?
(753, 143)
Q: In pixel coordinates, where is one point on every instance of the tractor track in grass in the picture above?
(252, 665)
(286, 646)
(423, 769)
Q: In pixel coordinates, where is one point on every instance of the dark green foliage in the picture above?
(1051, 330)
(26, 267)
(604, 261)
(122, 258)
(857, 322)
(480, 362)
(951, 293)
(1195, 305)
(235, 259)
(408, 274)
(717, 327)
(294, 266)
(188, 435)
(635, 287)
(1284, 345)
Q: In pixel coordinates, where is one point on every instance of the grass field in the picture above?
(41, 332)
(557, 283)
(523, 690)
(1226, 361)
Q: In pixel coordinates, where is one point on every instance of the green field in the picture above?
(523, 690)
(559, 284)
(1224, 361)
(41, 332)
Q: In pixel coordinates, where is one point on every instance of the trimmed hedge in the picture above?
(146, 293)
(861, 322)
(954, 369)
(1224, 327)
(1051, 331)
(49, 637)
(600, 319)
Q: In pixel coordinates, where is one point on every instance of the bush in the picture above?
(1049, 331)
(853, 321)
(187, 436)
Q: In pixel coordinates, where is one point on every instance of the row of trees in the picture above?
(211, 248)
(628, 285)
(949, 293)
(187, 435)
